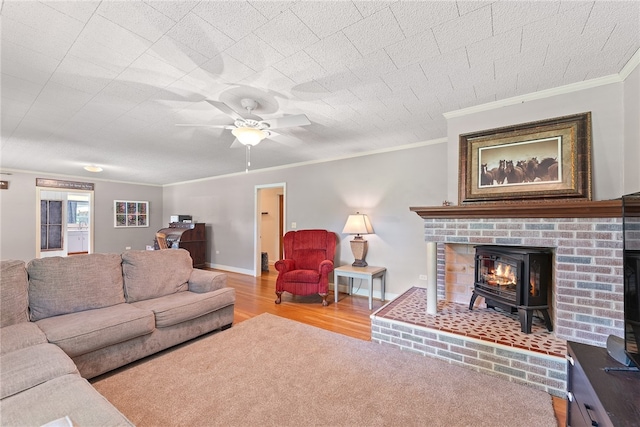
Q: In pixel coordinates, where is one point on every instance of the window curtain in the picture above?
(72, 208)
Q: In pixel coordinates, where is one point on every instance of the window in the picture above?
(50, 225)
(77, 212)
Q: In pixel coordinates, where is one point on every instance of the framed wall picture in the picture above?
(130, 213)
(537, 160)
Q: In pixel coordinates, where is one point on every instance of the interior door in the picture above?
(269, 223)
(281, 226)
(78, 219)
(64, 222)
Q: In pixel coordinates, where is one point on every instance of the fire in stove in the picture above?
(501, 275)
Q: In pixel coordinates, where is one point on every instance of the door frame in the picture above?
(67, 191)
(257, 249)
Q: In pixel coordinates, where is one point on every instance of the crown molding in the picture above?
(82, 178)
(630, 65)
(313, 162)
(547, 93)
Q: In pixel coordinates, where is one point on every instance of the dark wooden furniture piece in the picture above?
(189, 236)
(599, 397)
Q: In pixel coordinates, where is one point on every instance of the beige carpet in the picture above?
(270, 371)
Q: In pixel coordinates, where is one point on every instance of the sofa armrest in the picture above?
(202, 281)
(285, 265)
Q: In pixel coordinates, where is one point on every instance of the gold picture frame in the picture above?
(547, 159)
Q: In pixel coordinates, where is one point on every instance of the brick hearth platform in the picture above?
(483, 339)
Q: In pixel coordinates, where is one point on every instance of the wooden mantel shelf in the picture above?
(556, 209)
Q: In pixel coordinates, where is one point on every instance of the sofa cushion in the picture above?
(32, 366)
(62, 285)
(153, 274)
(173, 309)
(19, 336)
(68, 395)
(14, 298)
(86, 331)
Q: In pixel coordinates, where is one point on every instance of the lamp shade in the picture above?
(249, 136)
(358, 224)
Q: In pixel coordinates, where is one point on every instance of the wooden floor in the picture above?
(256, 295)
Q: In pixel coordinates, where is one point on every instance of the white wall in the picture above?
(322, 195)
(632, 132)
(18, 215)
(606, 104)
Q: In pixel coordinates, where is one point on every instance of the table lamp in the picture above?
(358, 224)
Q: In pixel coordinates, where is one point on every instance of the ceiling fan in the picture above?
(250, 129)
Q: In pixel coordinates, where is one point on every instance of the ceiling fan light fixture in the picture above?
(249, 136)
(93, 168)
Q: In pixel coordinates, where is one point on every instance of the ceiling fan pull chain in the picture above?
(248, 158)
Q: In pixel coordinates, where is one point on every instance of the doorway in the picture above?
(64, 222)
(269, 224)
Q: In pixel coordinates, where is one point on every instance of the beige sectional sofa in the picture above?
(64, 320)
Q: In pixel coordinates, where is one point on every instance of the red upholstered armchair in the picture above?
(307, 263)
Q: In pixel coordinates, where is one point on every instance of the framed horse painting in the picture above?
(547, 159)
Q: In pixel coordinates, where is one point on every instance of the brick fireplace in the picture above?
(587, 302)
(587, 289)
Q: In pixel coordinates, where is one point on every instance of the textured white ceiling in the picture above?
(105, 82)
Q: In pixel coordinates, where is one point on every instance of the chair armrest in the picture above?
(202, 281)
(285, 265)
(326, 267)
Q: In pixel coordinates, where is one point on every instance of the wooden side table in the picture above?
(367, 273)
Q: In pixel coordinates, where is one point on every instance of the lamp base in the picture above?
(359, 249)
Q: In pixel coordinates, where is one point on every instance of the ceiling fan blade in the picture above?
(206, 126)
(284, 139)
(288, 121)
(225, 109)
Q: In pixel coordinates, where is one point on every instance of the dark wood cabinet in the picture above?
(597, 397)
(189, 236)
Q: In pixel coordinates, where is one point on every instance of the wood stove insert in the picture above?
(514, 279)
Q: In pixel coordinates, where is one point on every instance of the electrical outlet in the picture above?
(217, 252)
(422, 277)
(127, 248)
(293, 225)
